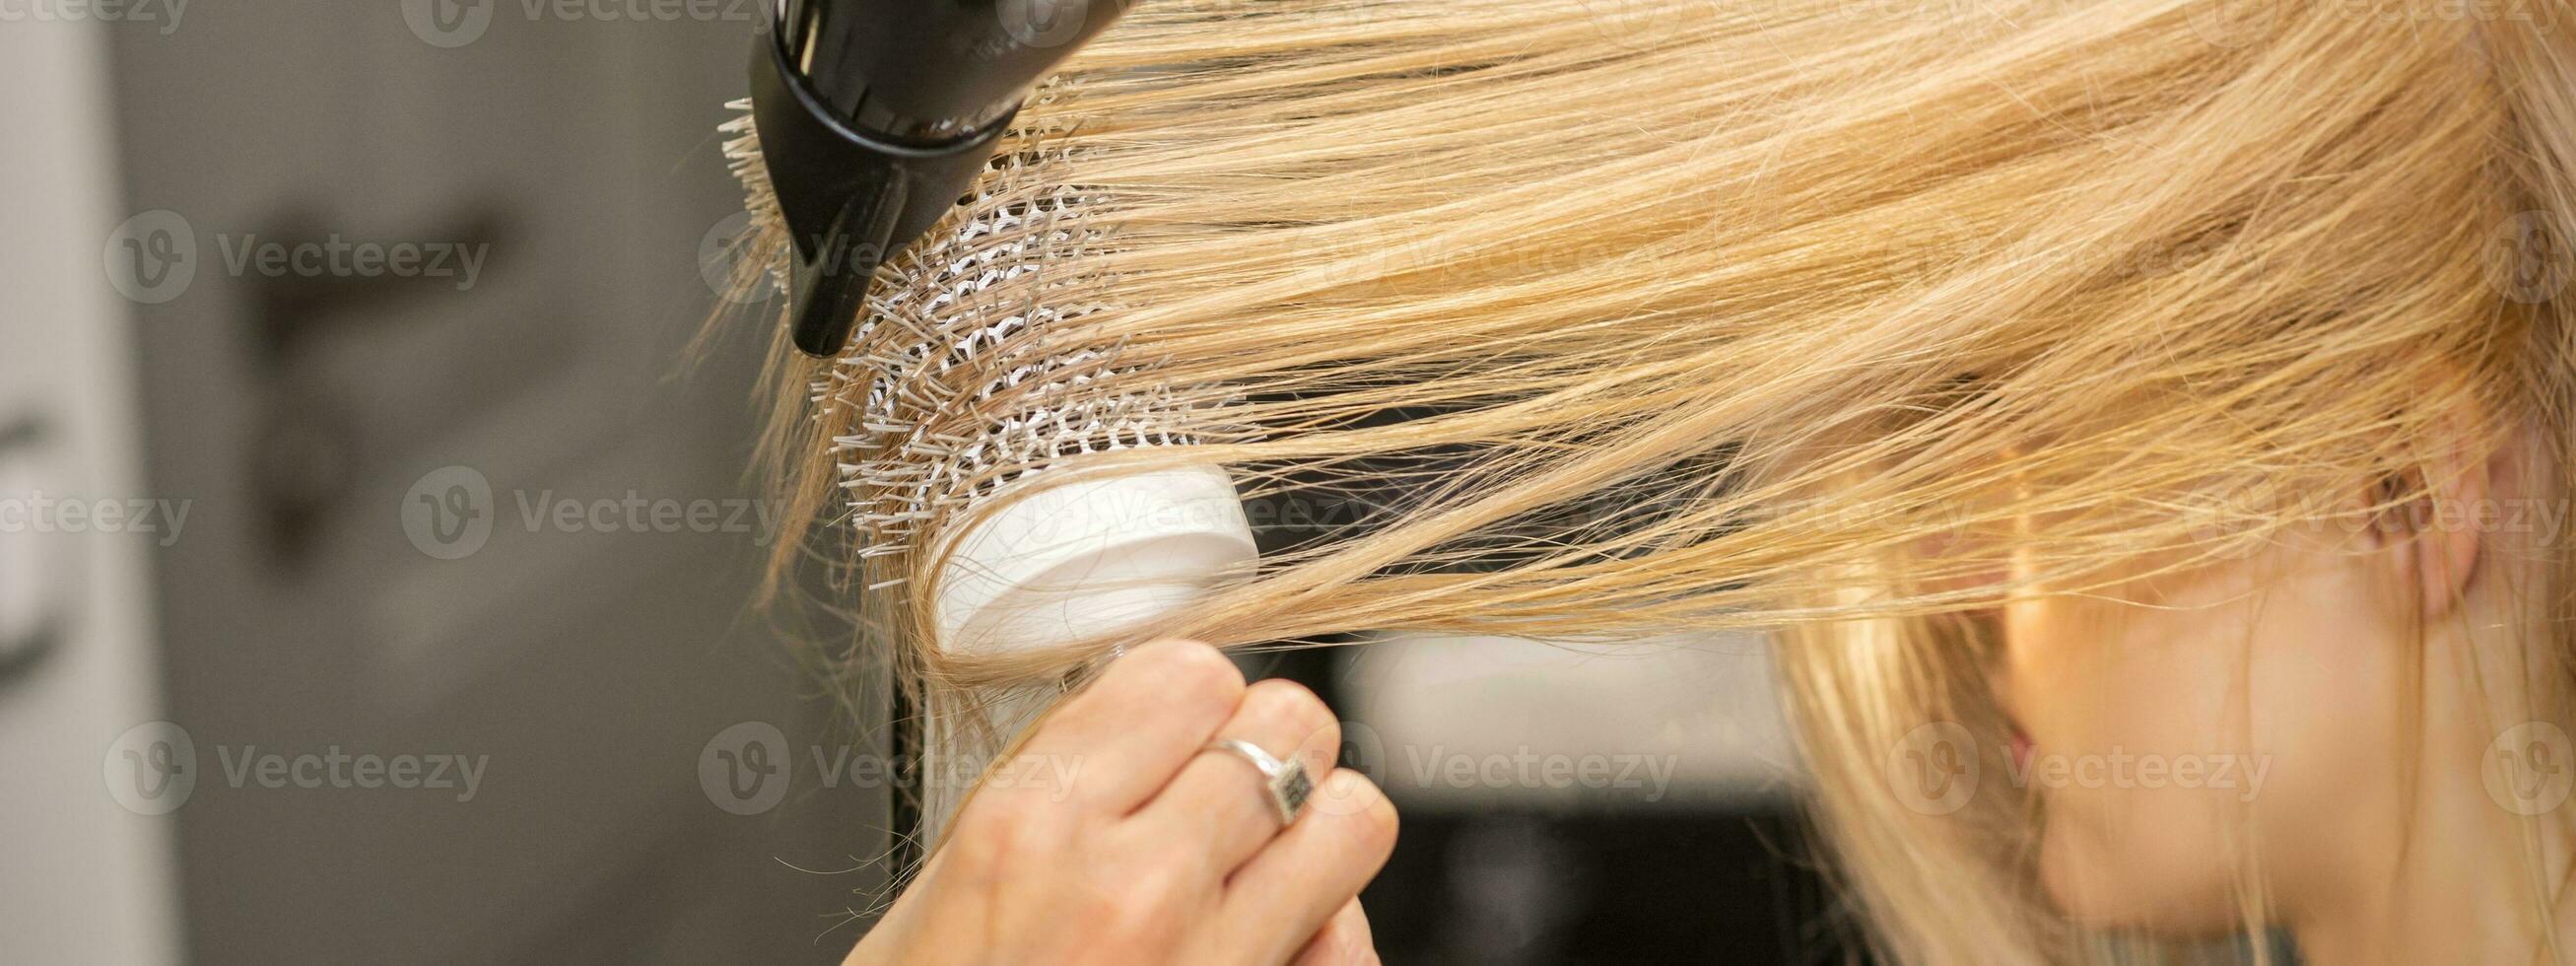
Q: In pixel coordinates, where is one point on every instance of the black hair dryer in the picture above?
(875, 117)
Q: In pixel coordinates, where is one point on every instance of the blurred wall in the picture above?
(458, 627)
(85, 880)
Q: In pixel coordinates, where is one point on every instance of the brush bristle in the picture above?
(767, 237)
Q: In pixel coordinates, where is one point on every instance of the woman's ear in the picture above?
(2434, 539)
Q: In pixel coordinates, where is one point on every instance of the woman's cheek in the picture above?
(2114, 703)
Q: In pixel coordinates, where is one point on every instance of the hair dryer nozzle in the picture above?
(876, 116)
(851, 200)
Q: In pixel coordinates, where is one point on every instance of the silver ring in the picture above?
(1286, 781)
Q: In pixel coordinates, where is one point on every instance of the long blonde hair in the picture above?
(1718, 314)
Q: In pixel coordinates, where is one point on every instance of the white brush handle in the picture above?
(1073, 561)
(1059, 565)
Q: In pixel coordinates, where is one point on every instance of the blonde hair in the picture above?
(1750, 315)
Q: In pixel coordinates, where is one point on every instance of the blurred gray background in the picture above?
(299, 410)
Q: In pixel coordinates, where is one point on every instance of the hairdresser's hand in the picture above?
(1112, 837)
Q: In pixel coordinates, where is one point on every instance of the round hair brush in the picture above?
(870, 143)
(934, 254)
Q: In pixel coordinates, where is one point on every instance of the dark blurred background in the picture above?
(374, 572)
